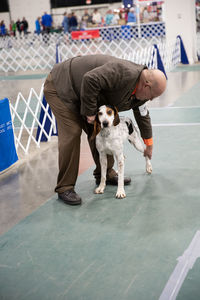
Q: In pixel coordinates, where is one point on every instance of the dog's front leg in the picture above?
(103, 162)
(120, 190)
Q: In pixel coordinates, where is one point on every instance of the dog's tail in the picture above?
(134, 136)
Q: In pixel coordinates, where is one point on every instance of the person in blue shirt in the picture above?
(109, 17)
(131, 16)
(37, 26)
(47, 22)
(65, 23)
(2, 28)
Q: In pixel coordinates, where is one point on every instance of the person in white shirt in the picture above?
(96, 17)
(145, 18)
(115, 18)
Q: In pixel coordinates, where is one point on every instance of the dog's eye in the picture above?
(109, 112)
(100, 113)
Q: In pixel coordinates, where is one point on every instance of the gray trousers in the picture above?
(70, 126)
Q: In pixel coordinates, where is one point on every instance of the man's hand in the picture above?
(90, 119)
(148, 151)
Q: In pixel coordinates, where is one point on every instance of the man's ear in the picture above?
(97, 128)
(116, 119)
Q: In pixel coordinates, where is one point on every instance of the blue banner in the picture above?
(128, 3)
(8, 155)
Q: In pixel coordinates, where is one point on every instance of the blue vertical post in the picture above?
(184, 58)
(47, 124)
(159, 61)
(57, 54)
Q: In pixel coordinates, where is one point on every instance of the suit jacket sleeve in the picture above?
(144, 123)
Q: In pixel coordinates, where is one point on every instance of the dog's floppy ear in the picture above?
(116, 119)
(97, 127)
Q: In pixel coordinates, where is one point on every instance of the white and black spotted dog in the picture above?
(111, 133)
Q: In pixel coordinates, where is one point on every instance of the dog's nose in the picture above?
(105, 124)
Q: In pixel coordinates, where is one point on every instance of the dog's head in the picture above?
(106, 117)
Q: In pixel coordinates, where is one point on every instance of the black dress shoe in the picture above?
(114, 180)
(70, 197)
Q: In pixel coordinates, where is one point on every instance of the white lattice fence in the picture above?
(26, 119)
(170, 54)
(140, 51)
(34, 51)
(32, 40)
(126, 32)
(145, 56)
(114, 47)
(27, 59)
(44, 57)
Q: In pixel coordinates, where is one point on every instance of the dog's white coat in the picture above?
(110, 141)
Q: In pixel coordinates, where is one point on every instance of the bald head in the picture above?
(158, 82)
(152, 83)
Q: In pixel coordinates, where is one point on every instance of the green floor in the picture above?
(110, 248)
(187, 68)
(23, 77)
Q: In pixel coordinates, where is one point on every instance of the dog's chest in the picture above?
(110, 140)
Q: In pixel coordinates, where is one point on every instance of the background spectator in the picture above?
(145, 15)
(18, 24)
(115, 20)
(86, 18)
(2, 28)
(47, 22)
(96, 17)
(37, 25)
(24, 25)
(13, 28)
(73, 22)
(65, 23)
(131, 16)
(126, 11)
(109, 17)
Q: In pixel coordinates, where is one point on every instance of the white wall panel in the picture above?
(29, 9)
(180, 20)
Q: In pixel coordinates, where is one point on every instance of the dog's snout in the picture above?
(105, 123)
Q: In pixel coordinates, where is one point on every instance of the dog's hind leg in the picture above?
(136, 141)
(103, 162)
(149, 168)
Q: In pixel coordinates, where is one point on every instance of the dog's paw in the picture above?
(99, 190)
(120, 194)
(149, 168)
